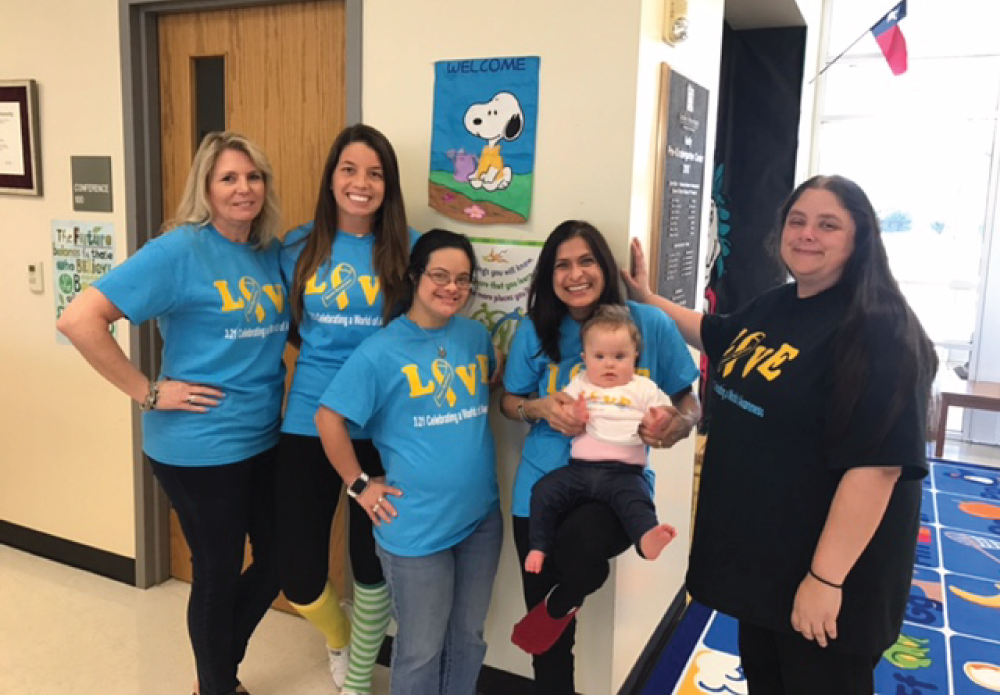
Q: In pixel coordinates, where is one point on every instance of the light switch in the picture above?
(35, 282)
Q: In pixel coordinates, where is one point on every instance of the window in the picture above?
(924, 146)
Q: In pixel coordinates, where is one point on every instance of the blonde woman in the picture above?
(211, 420)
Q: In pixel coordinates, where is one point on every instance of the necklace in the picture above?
(442, 352)
(356, 235)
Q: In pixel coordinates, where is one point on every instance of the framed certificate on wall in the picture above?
(20, 169)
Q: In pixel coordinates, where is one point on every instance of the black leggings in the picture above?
(585, 540)
(308, 491)
(219, 507)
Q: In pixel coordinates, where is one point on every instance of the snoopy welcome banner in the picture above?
(483, 142)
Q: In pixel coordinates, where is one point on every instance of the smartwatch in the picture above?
(359, 485)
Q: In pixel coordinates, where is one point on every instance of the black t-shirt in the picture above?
(770, 472)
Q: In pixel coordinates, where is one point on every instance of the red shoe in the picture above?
(538, 631)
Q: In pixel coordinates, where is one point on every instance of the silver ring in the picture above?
(190, 399)
(376, 508)
(381, 499)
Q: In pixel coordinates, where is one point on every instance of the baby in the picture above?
(608, 461)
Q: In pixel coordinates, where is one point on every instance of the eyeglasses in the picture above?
(442, 278)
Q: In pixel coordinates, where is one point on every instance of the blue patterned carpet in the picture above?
(950, 641)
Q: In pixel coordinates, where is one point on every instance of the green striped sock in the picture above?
(369, 623)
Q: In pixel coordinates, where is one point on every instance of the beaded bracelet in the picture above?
(824, 581)
(152, 397)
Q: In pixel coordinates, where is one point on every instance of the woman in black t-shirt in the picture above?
(809, 503)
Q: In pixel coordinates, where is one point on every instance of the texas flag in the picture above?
(890, 38)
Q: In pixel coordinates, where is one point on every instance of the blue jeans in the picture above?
(440, 602)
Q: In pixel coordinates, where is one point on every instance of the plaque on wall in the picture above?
(91, 184)
(679, 186)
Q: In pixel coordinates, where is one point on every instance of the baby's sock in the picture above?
(539, 630)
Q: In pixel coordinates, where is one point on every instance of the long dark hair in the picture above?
(420, 256)
(875, 303)
(392, 243)
(547, 311)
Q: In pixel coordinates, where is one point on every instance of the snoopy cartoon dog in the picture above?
(501, 118)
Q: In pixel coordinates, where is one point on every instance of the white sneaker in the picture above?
(339, 659)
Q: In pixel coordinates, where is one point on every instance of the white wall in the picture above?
(643, 589)
(66, 446)
(812, 12)
(597, 113)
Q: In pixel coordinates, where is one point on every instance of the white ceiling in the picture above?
(763, 14)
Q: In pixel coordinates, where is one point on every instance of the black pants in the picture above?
(308, 492)
(621, 486)
(781, 663)
(219, 507)
(585, 540)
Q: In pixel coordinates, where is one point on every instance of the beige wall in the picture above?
(597, 114)
(65, 449)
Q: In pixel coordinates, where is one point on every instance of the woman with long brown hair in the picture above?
(817, 445)
(345, 272)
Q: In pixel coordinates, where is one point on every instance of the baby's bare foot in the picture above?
(655, 540)
(533, 563)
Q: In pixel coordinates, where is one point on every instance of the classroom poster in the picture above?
(500, 295)
(81, 253)
(483, 139)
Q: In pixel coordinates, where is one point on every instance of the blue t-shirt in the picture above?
(342, 305)
(221, 310)
(428, 417)
(665, 359)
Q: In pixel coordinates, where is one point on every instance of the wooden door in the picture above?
(282, 67)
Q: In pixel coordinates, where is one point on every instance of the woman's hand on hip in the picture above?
(815, 611)
(664, 426)
(375, 502)
(560, 412)
(183, 395)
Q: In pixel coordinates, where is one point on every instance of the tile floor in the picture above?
(981, 454)
(64, 630)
